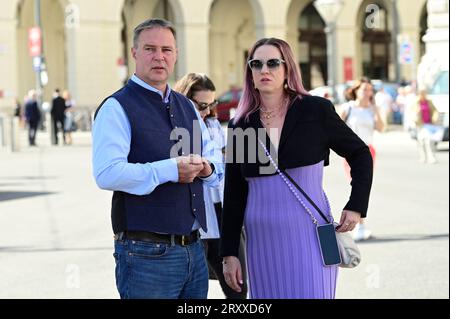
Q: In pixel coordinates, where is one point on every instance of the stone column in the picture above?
(193, 37)
(346, 34)
(8, 63)
(271, 18)
(436, 56)
(93, 51)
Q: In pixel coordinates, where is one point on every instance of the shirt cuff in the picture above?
(168, 170)
(212, 176)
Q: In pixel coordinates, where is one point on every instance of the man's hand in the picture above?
(207, 169)
(189, 167)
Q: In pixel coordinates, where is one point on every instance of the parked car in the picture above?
(439, 95)
(228, 103)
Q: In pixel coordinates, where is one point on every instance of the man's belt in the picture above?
(182, 240)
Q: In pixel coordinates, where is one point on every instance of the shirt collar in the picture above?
(145, 85)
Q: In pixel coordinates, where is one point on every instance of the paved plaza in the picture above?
(57, 240)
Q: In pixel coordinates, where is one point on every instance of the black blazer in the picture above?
(311, 128)
(58, 107)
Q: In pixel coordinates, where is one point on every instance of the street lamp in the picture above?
(329, 11)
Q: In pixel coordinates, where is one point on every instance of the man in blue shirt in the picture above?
(152, 149)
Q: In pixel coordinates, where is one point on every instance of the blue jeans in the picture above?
(147, 270)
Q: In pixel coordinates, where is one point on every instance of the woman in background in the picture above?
(425, 116)
(364, 117)
(201, 90)
(69, 120)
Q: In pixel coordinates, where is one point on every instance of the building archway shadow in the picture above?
(31, 249)
(396, 238)
(4, 196)
(11, 184)
(28, 177)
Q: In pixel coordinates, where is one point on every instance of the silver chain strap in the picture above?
(314, 220)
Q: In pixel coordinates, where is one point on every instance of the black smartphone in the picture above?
(328, 245)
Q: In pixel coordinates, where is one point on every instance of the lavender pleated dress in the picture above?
(283, 254)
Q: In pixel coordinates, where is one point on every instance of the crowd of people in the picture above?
(398, 105)
(62, 116)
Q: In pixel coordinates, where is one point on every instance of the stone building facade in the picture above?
(86, 44)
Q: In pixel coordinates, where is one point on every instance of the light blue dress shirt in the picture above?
(111, 134)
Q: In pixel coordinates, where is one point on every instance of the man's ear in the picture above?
(133, 52)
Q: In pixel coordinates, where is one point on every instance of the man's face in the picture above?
(155, 56)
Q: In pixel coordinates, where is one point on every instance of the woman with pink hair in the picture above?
(276, 113)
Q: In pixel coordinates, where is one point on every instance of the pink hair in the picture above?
(250, 100)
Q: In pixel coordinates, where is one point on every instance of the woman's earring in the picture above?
(285, 85)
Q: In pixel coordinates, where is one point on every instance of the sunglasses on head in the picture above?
(203, 106)
(257, 64)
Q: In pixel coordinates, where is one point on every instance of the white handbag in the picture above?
(349, 251)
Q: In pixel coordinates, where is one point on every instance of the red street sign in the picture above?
(120, 61)
(34, 41)
(348, 69)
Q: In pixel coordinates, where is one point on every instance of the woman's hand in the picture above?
(349, 219)
(379, 121)
(232, 271)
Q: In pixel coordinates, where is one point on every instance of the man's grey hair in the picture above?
(150, 24)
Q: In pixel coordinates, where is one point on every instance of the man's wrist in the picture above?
(212, 169)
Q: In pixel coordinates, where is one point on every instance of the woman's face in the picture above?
(423, 94)
(364, 92)
(268, 79)
(203, 100)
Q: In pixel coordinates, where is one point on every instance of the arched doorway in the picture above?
(423, 29)
(376, 39)
(134, 12)
(53, 47)
(312, 48)
(232, 33)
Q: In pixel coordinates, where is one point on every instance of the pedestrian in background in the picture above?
(425, 117)
(19, 112)
(363, 116)
(201, 90)
(142, 152)
(18, 108)
(69, 116)
(400, 106)
(58, 115)
(410, 99)
(385, 104)
(32, 116)
(283, 253)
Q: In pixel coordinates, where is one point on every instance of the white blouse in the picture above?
(361, 120)
(213, 195)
